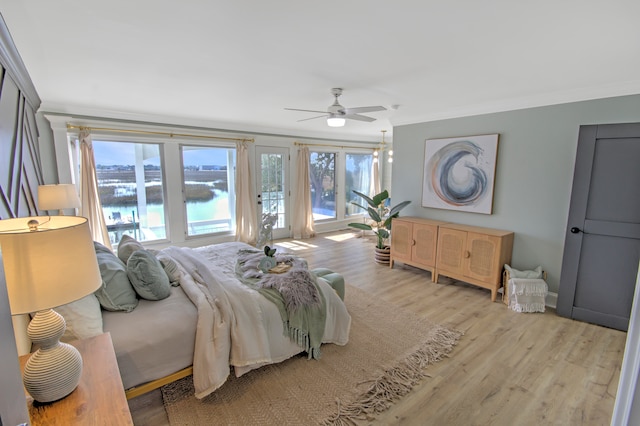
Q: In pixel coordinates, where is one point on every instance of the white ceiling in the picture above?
(238, 64)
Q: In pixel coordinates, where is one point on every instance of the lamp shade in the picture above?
(58, 197)
(48, 267)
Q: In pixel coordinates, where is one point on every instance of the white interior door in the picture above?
(272, 187)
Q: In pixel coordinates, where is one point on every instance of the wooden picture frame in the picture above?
(459, 173)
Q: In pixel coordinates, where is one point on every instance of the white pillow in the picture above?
(83, 318)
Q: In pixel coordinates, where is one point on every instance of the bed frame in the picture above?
(155, 384)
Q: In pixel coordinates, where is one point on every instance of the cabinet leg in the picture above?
(434, 276)
(494, 293)
(391, 263)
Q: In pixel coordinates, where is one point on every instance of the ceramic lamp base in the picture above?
(54, 370)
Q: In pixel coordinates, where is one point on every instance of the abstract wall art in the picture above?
(459, 173)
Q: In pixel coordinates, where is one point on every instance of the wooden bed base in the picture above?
(155, 384)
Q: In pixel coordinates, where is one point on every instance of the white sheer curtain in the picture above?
(246, 219)
(303, 226)
(374, 187)
(90, 206)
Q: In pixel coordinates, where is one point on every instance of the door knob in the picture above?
(575, 230)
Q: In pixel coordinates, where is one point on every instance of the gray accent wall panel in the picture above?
(20, 162)
(20, 175)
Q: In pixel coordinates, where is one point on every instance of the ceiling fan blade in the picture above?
(358, 110)
(305, 110)
(358, 117)
(313, 118)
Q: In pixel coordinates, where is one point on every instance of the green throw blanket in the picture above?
(295, 293)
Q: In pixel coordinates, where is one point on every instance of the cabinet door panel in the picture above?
(401, 239)
(483, 254)
(451, 247)
(424, 249)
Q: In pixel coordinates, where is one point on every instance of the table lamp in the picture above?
(48, 261)
(58, 197)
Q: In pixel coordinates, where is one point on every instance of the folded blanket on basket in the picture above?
(527, 295)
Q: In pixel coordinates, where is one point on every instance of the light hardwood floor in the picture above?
(508, 368)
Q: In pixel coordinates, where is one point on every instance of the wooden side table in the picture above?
(99, 398)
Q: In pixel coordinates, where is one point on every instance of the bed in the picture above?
(212, 323)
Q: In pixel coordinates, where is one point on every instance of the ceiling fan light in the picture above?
(335, 121)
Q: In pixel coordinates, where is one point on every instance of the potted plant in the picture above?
(269, 260)
(380, 224)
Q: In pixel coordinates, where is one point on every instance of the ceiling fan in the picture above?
(337, 114)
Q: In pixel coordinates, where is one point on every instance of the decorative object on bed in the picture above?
(268, 261)
(459, 173)
(48, 261)
(525, 291)
(381, 217)
(386, 356)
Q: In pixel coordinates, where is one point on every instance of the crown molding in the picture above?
(11, 60)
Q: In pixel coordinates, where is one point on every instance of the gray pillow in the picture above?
(147, 276)
(116, 292)
(127, 246)
(100, 248)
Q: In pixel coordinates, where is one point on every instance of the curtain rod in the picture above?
(333, 146)
(157, 133)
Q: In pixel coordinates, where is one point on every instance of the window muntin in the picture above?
(322, 173)
(208, 188)
(357, 177)
(131, 189)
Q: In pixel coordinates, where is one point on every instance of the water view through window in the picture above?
(130, 187)
(209, 202)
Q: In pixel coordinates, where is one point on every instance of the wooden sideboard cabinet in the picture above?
(413, 242)
(473, 255)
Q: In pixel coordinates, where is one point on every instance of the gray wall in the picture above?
(13, 404)
(534, 173)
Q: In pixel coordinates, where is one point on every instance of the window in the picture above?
(322, 173)
(208, 188)
(357, 177)
(131, 190)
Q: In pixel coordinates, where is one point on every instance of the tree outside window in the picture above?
(323, 184)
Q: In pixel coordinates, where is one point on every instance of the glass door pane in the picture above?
(273, 188)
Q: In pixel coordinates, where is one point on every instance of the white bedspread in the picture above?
(236, 325)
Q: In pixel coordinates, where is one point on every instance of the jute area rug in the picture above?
(386, 356)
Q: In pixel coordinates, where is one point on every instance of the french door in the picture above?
(272, 187)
